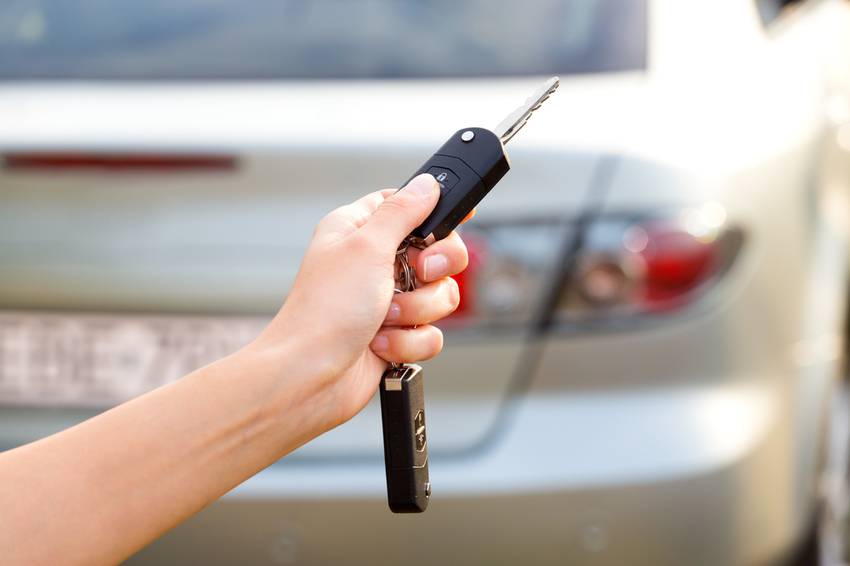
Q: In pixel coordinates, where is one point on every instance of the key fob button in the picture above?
(445, 177)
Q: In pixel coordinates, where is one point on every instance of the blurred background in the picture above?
(648, 363)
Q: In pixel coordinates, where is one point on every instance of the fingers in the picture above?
(363, 208)
(408, 344)
(424, 305)
(442, 258)
(401, 212)
(348, 218)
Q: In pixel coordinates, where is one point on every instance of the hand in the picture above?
(342, 311)
(158, 459)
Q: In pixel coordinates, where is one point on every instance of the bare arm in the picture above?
(98, 492)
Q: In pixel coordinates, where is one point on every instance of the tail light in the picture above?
(625, 266)
(675, 262)
(650, 265)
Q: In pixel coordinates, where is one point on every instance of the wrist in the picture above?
(292, 382)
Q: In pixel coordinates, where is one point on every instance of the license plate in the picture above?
(94, 360)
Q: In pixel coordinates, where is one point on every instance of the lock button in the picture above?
(445, 177)
(419, 430)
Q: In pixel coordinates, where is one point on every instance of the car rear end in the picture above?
(608, 394)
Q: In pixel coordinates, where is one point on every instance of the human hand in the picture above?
(342, 312)
(316, 365)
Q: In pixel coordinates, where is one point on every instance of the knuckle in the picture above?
(395, 204)
(327, 220)
(330, 215)
(363, 242)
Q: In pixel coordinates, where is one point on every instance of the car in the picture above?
(647, 363)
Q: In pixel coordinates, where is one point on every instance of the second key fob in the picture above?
(405, 440)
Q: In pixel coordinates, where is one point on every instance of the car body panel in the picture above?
(692, 437)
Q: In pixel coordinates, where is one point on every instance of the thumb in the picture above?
(403, 211)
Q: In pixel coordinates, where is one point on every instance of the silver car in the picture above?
(645, 363)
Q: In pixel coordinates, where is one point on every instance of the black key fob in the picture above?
(467, 166)
(405, 440)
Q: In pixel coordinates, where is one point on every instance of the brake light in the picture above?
(675, 263)
(651, 265)
(117, 161)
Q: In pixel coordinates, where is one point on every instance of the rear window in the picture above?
(317, 39)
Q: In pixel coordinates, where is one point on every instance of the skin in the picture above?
(100, 491)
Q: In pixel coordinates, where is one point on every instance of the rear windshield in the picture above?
(317, 39)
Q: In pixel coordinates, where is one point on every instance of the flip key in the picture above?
(467, 167)
(470, 164)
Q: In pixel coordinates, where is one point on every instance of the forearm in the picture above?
(114, 483)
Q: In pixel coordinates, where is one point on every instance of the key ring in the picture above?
(405, 274)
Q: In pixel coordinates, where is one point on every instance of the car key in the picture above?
(467, 167)
(470, 164)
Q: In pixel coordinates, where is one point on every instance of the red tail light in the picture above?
(117, 161)
(653, 265)
(675, 263)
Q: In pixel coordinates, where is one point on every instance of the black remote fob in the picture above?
(405, 441)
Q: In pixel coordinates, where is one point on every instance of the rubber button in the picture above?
(445, 177)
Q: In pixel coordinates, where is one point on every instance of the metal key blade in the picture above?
(517, 119)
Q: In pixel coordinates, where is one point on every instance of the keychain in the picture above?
(403, 417)
(467, 167)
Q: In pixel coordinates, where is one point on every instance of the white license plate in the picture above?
(93, 360)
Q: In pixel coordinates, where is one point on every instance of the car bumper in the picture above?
(668, 476)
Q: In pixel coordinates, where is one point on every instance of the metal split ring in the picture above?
(405, 274)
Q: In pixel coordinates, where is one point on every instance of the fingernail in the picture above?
(423, 184)
(394, 313)
(436, 265)
(380, 343)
